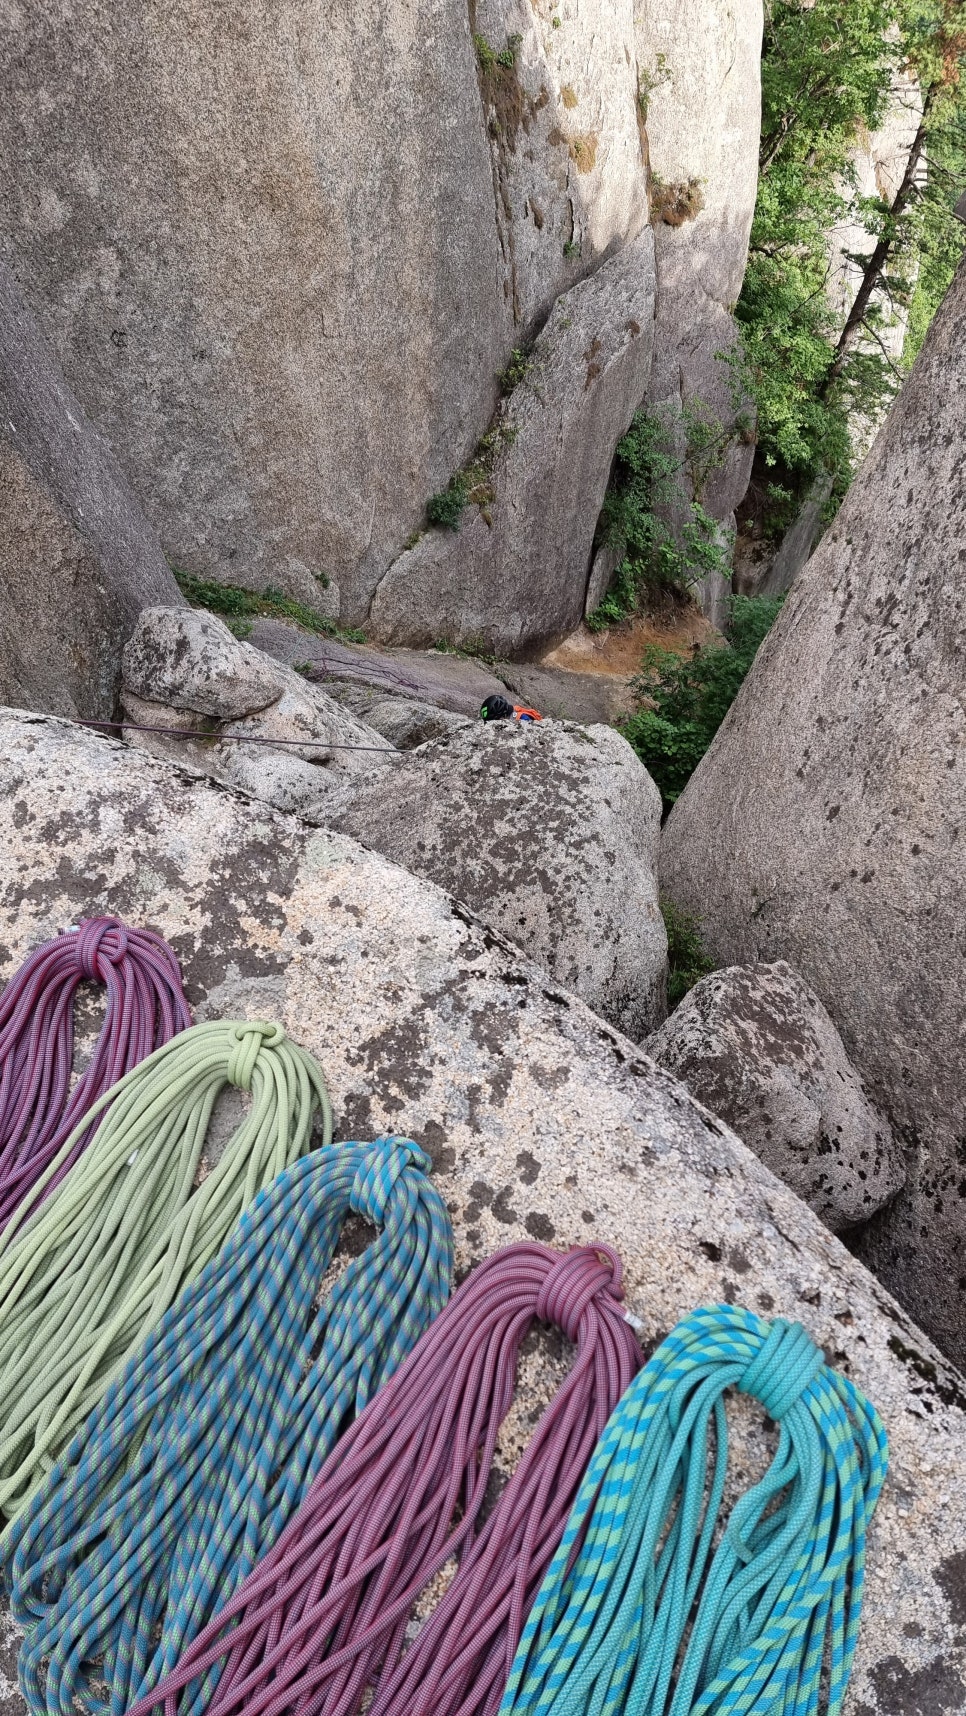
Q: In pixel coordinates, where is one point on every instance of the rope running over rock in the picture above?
(326, 1612)
(202, 1450)
(145, 1007)
(99, 1263)
(640, 1612)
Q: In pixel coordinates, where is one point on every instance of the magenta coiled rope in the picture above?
(325, 1614)
(145, 1008)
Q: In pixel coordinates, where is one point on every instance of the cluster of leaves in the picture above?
(687, 957)
(829, 71)
(683, 700)
(240, 607)
(490, 57)
(664, 538)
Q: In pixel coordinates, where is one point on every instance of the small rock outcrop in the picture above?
(827, 823)
(541, 1121)
(514, 571)
(549, 832)
(265, 729)
(755, 1045)
(78, 560)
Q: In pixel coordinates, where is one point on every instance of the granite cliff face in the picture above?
(285, 255)
(78, 559)
(825, 825)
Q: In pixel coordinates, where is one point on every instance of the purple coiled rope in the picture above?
(145, 1009)
(324, 1614)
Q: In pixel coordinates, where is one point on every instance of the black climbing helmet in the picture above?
(497, 709)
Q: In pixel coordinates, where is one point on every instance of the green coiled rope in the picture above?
(102, 1259)
(646, 1610)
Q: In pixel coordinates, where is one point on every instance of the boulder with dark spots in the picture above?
(826, 825)
(755, 1044)
(78, 559)
(426, 1023)
(549, 831)
(260, 727)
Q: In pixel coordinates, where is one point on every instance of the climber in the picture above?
(498, 709)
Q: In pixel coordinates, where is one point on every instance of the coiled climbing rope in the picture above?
(202, 1450)
(102, 1259)
(645, 1611)
(326, 1611)
(145, 1008)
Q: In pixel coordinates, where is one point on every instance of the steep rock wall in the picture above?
(78, 559)
(700, 72)
(284, 254)
(826, 824)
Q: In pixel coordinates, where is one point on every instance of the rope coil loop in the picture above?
(249, 1038)
(38, 1110)
(380, 1169)
(324, 1614)
(574, 1281)
(782, 1369)
(647, 1608)
(100, 1261)
(203, 1448)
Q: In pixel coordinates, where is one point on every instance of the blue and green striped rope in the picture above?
(649, 1608)
(205, 1445)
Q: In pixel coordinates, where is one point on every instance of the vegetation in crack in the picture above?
(664, 539)
(687, 957)
(683, 701)
(240, 608)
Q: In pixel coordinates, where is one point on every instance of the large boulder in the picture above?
(700, 70)
(755, 1044)
(514, 571)
(549, 831)
(78, 559)
(255, 725)
(826, 824)
(542, 1122)
(287, 292)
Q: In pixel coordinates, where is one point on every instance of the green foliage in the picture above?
(518, 367)
(665, 539)
(490, 57)
(648, 81)
(473, 485)
(572, 248)
(827, 74)
(240, 607)
(447, 506)
(685, 700)
(687, 957)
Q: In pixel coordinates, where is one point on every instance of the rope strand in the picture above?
(325, 1614)
(145, 1008)
(646, 1610)
(203, 1449)
(86, 1275)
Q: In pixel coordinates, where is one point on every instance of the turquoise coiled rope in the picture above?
(204, 1447)
(638, 1567)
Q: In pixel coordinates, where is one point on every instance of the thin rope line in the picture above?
(232, 738)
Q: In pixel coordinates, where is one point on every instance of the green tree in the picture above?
(828, 70)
